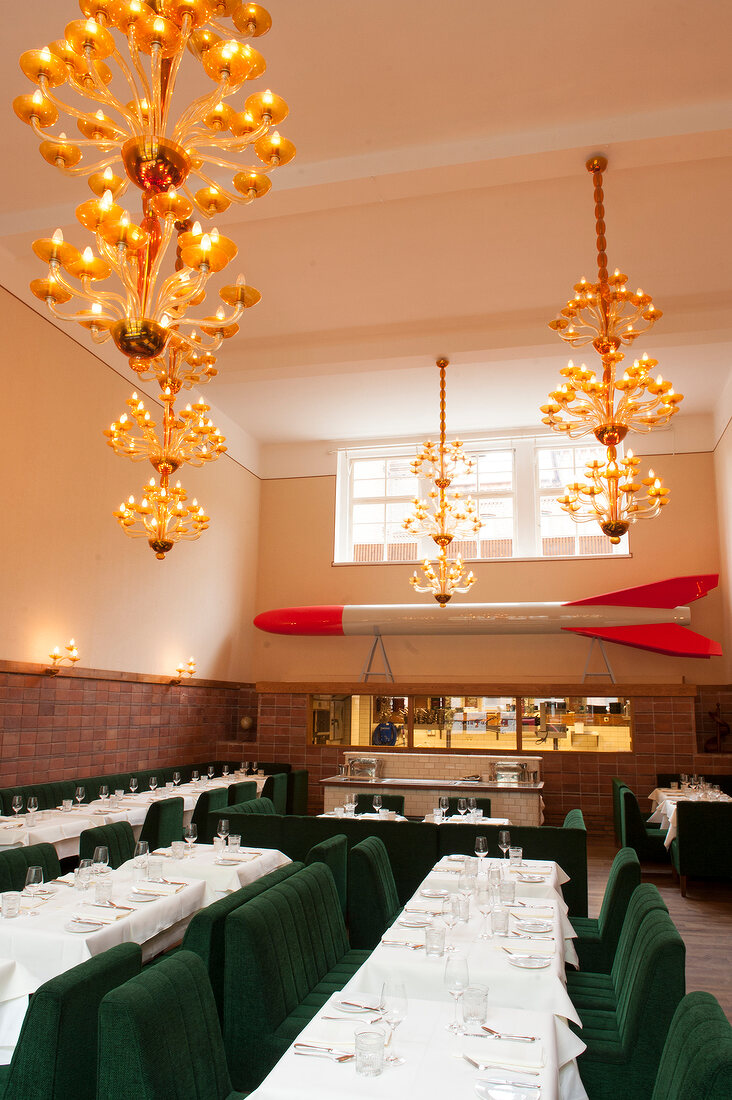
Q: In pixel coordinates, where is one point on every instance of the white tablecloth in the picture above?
(220, 878)
(466, 819)
(390, 815)
(665, 801)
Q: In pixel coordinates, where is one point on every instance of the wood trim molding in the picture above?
(356, 687)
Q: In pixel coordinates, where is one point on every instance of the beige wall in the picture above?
(65, 566)
(296, 551)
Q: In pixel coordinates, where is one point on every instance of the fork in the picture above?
(523, 955)
(506, 1035)
(403, 943)
(482, 1066)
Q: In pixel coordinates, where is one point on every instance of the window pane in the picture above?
(368, 513)
(496, 534)
(577, 724)
(400, 481)
(465, 722)
(495, 472)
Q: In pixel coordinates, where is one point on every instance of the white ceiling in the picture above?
(439, 204)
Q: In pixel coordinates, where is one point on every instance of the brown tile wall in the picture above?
(70, 726)
(664, 741)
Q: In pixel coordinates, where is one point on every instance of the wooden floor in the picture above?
(703, 918)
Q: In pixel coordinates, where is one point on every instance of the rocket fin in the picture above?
(674, 592)
(669, 638)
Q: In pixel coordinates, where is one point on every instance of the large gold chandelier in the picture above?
(443, 517)
(608, 315)
(129, 135)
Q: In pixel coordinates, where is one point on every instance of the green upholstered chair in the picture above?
(275, 788)
(696, 1063)
(373, 902)
(597, 939)
(205, 935)
(365, 803)
(271, 767)
(118, 838)
(634, 833)
(206, 803)
(617, 785)
(483, 804)
(49, 795)
(160, 1038)
(163, 823)
(333, 852)
(287, 952)
(56, 1054)
(297, 791)
(702, 847)
(241, 792)
(235, 814)
(14, 863)
(625, 1041)
(574, 819)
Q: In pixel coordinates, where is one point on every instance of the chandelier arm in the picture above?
(204, 136)
(178, 278)
(199, 107)
(156, 107)
(73, 112)
(104, 96)
(186, 28)
(154, 271)
(139, 69)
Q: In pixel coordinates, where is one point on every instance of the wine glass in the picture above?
(393, 1007)
(444, 806)
(100, 860)
(255, 767)
(485, 904)
(472, 807)
(462, 805)
(80, 794)
(153, 782)
(225, 770)
(504, 841)
(189, 835)
(133, 783)
(211, 771)
(104, 793)
(140, 858)
(32, 804)
(82, 874)
(481, 848)
(195, 775)
(377, 803)
(246, 766)
(17, 803)
(457, 981)
(176, 778)
(223, 827)
(450, 915)
(33, 881)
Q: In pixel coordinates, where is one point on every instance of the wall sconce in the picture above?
(185, 669)
(71, 655)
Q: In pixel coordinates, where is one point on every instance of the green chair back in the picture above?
(634, 833)
(56, 1054)
(365, 803)
(275, 788)
(333, 852)
(163, 823)
(696, 1063)
(702, 847)
(241, 792)
(160, 1038)
(574, 820)
(644, 899)
(206, 803)
(14, 864)
(118, 838)
(297, 791)
(618, 785)
(373, 902)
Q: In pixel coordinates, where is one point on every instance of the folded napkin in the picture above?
(163, 852)
(225, 858)
(161, 889)
(333, 1033)
(504, 1053)
(28, 902)
(101, 913)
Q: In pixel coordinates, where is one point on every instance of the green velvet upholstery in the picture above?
(163, 823)
(287, 951)
(14, 864)
(206, 803)
(160, 1038)
(618, 785)
(297, 791)
(206, 933)
(234, 814)
(49, 795)
(333, 852)
(574, 819)
(634, 833)
(275, 788)
(414, 847)
(118, 838)
(373, 902)
(56, 1054)
(483, 804)
(365, 803)
(597, 939)
(270, 767)
(241, 792)
(696, 1063)
(625, 1041)
(702, 847)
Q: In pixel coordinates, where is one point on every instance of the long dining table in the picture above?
(438, 1062)
(665, 800)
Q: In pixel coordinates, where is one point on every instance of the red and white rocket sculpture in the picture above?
(651, 616)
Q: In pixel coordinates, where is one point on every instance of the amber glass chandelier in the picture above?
(122, 63)
(609, 403)
(444, 516)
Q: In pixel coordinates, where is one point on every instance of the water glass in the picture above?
(11, 904)
(515, 856)
(178, 848)
(169, 784)
(30, 819)
(119, 793)
(260, 771)
(103, 891)
(475, 1004)
(470, 866)
(478, 815)
(140, 858)
(338, 811)
(370, 1052)
(499, 918)
(234, 843)
(507, 893)
(155, 868)
(67, 804)
(434, 942)
(218, 845)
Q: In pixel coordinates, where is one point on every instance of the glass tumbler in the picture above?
(370, 1052)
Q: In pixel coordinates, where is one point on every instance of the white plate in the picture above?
(82, 926)
(414, 922)
(531, 878)
(353, 1008)
(134, 896)
(525, 963)
(227, 862)
(433, 893)
(534, 925)
(457, 859)
(498, 1090)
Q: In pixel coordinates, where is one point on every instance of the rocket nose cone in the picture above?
(320, 621)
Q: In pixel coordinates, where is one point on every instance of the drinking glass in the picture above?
(189, 835)
(481, 848)
(17, 803)
(504, 841)
(247, 766)
(178, 849)
(450, 915)
(100, 859)
(225, 770)
(499, 917)
(80, 795)
(515, 856)
(255, 767)
(472, 807)
(716, 791)
(104, 792)
(82, 874)
(153, 781)
(457, 980)
(485, 904)
(434, 942)
(462, 805)
(466, 883)
(103, 891)
(195, 775)
(475, 1004)
(234, 843)
(444, 805)
(223, 827)
(369, 1046)
(507, 893)
(33, 880)
(155, 869)
(11, 904)
(176, 778)
(142, 852)
(32, 804)
(211, 771)
(377, 803)
(133, 783)
(393, 1008)
(119, 793)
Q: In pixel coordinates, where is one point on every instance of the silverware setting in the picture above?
(345, 1019)
(523, 955)
(532, 935)
(360, 1004)
(506, 1035)
(61, 882)
(78, 919)
(497, 1065)
(421, 912)
(403, 943)
(315, 1051)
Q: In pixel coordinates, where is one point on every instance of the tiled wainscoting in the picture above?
(87, 722)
